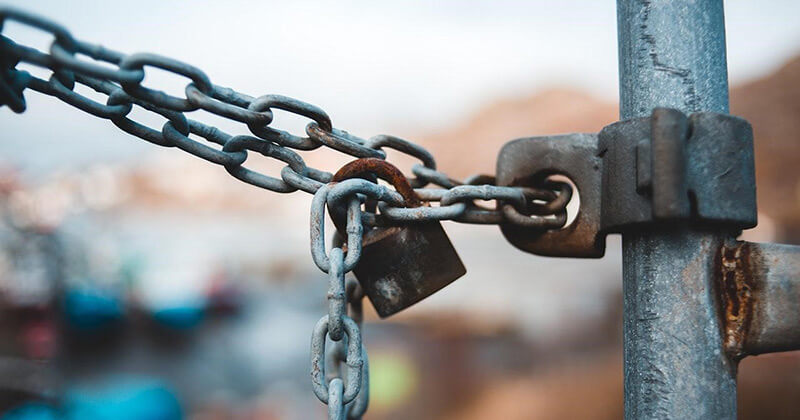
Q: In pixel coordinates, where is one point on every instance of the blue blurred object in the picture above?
(134, 400)
(181, 317)
(131, 400)
(32, 411)
(91, 310)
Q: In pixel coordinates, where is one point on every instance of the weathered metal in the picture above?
(758, 285)
(336, 358)
(401, 265)
(675, 363)
(372, 167)
(663, 168)
(352, 398)
(120, 77)
(672, 54)
(353, 359)
(678, 188)
(530, 161)
(670, 166)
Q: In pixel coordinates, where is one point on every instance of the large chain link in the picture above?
(120, 78)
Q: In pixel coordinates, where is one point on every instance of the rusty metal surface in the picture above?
(368, 167)
(400, 265)
(659, 169)
(528, 162)
(671, 166)
(403, 265)
(672, 54)
(758, 287)
(675, 361)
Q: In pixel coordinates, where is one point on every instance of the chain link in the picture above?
(336, 357)
(119, 77)
(346, 393)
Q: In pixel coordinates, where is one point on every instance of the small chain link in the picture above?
(119, 77)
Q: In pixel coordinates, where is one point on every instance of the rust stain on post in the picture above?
(736, 292)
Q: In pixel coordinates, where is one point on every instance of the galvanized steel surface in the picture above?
(672, 54)
(675, 362)
(695, 300)
(337, 326)
(120, 78)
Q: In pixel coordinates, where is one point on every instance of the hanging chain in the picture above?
(347, 395)
(120, 78)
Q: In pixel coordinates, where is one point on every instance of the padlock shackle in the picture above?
(383, 170)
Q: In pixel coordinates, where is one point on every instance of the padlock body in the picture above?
(402, 265)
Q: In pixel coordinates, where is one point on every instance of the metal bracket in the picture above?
(664, 168)
(758, 289)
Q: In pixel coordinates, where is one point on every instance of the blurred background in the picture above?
(136, 280)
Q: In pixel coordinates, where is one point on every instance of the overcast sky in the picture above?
(375, 66)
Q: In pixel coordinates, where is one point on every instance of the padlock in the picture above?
(400, 265)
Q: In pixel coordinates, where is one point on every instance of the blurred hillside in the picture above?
(772, 105)
(554, 111)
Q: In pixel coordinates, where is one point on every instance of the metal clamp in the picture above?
(662, 169)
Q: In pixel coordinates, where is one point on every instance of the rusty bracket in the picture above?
(758, 290)
(664, 168)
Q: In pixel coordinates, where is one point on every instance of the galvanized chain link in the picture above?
(336, 357)
(355, 297)
(346, 393)
(120, 78)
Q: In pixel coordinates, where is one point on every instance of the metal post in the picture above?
(672, 54)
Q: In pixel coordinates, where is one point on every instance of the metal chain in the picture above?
(347, 395)
(120, 78)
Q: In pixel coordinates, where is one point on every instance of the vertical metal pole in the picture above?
(672, 53)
